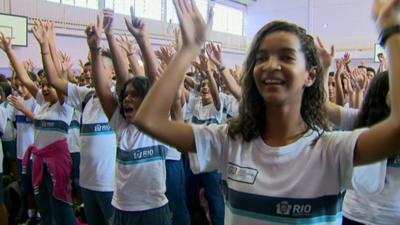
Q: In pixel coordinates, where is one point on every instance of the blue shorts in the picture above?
(176, 192)
(1, 190)
(10, 149)
(26, 179)
(157, 216)
(76, 159)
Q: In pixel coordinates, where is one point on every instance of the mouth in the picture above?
(273, 82)
(128, 110)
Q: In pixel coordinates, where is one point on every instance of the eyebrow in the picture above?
(289, 50)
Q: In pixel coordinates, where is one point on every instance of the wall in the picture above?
(70, 23)
(345, 23)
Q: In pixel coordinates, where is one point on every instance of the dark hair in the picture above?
(141, 85)
(370, 69)
(361, 67)
(6, 88)
(40, 73)
(2, 77)
(32, 76)
(250, 122)
(2, 94)
(374, 107)
(331, 74)
(87, 64)
(380, 54)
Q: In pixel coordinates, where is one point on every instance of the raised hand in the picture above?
(346, 58)
(178, 39)
(50, 31)
(126, 44)
(5, 43)
(40, 31)
(93, 34)
(16, 102)
(214, 53)
(165, 54)
(193, 27)
(136, 26)
(386, 13)
(325, 56)
(108, 16)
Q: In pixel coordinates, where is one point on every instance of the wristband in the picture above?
(221, 67)
(45, 53)
(386, 33)
(94, 49)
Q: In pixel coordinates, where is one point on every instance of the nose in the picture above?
(272, 64)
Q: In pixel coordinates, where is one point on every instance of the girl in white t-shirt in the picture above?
(51, 161)
(383, 207)
(139, 194)
(278, 163)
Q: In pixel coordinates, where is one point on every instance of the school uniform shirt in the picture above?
(3, 123)
(383, 207)
(97, 141)
(300, 183)
(51, 121)
(140, 174)
(231, 107)
(204, 114)
(74, 133)
(9, 133)
(25, 127)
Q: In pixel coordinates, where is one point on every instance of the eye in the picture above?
(261, 57)
(288, 58)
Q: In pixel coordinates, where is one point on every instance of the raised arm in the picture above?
(215, 55)
(19, 69)
(118, 58)
(107, 100)
(40, 31)
(139, 30)
(382, 140)
(130, 51)
(153, 113)
(205, 69)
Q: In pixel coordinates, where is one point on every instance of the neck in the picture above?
(283, 125)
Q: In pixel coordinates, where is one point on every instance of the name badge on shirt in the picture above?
(241, 174)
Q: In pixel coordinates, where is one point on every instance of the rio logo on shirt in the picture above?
(285, 208)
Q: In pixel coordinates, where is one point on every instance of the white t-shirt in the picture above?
(231, 107)
(300, 183)
(378, 209)
(97, 140)
(140, 174)
(207, 114)
(51, 121)
(348, 117)
(9, 133)
(74, 133)
(25, 128)
(3, 123)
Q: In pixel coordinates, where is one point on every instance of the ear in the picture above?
(311, 76)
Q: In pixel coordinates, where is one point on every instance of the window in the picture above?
(202, 5)
(148, 9)
(91, 4)
(228, 19)
(143, 8)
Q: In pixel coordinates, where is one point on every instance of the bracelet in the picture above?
(386, 33)
(95, 49)
(221, 67)
(45, 53)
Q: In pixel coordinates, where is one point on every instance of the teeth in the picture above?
(273, 82)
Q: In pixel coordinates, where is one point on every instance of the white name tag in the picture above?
(242, 174)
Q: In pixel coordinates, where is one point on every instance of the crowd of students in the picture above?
(185, 140)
